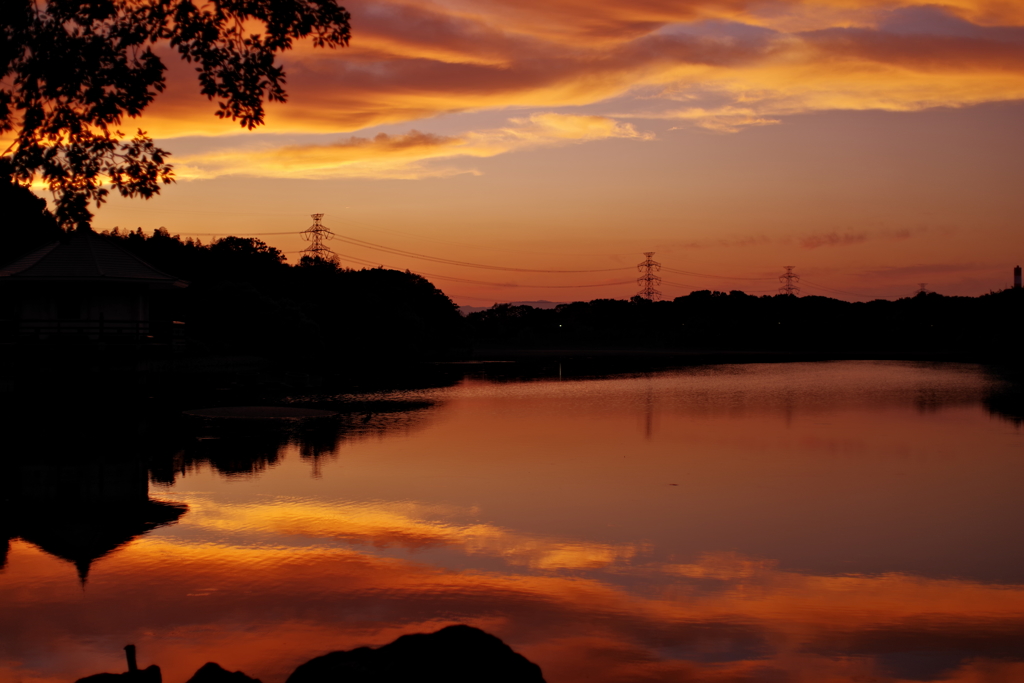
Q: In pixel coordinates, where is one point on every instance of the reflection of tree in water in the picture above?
(363, 420)
(81, 491)
(247, 447)
(1006, 399)
(233, 453)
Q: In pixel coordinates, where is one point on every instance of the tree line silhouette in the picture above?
(988, 326)
(245, 298)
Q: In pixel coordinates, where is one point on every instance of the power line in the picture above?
(720, 277)
(402, 252)
(857, 294)
(452, 262)
(477, 298)
(675, 284)
(374, 264)
(244, 234)
(348, 220)
(788, 279)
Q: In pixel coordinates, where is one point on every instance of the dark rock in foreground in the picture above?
(212, 672)
(456, 654)
(151, 674)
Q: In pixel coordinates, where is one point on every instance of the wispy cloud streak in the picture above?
(719, 65)
(408, 155)
(414, 60)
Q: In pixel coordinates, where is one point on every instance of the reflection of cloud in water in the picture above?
(264, 609)
(831, 548)
(405, 525)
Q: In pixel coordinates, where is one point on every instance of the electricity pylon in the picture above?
(789, 280)
(315, 235)
(648, 281)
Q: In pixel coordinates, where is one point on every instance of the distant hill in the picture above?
(466, 310)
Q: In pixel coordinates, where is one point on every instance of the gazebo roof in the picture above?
(85, 256)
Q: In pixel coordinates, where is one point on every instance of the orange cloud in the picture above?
(722, 618)
(731, 63)
(833, 239)
(727, 119)
(406, 525)
(406, 156)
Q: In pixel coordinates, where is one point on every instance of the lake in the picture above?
(812, 522)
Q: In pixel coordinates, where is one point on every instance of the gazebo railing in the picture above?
(107, 331)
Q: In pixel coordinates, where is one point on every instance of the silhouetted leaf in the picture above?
(72, 70)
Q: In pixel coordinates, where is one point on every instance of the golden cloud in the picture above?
(405, 156)
(409, 526)
(724, 617)
(721, 65)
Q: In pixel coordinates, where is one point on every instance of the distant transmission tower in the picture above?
(648, 281)
(922, 287)
(315, 235)
(789, 280)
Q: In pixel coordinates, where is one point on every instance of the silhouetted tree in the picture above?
(393, 314)
(990, 326)
(26, 223)
(72, 70)
(245, 298)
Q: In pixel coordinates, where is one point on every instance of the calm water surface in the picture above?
(830, 522)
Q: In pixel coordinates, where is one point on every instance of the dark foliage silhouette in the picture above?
(1006, 399)
(26, 224)
(245, 298)
(238, 447)
(985, 326)
(72, 71)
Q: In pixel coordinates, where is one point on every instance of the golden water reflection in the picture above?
(266, 609)
(867, 533)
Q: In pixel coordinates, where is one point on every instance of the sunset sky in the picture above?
(872, 145)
